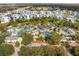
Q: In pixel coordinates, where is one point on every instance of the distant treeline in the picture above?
(12, 6)
(7, 8)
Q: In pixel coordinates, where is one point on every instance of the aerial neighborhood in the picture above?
(39, 28)
(28, 14)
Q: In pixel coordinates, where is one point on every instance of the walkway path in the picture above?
(16, 51)
(68, 53)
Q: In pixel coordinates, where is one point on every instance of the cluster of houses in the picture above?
(67, 31)
(36, 31)
(21, 14)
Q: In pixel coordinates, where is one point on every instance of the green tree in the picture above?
(27, 38)
(40, 39)
(42, 51)
(76, 37)
(24, 51)
(2, 37)
(37, 51)
(31, 51)
(49, 51)
(60, 51)
(6, 50)
(76, 50)
(17, 44)
(54, 39)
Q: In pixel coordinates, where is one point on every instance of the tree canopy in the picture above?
(42, 51)
(54, 39)
(27, 38)
(6, 50)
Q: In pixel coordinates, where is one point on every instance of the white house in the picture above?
(13, 39)
(5, 19)
(66, 39)
(68, 31)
